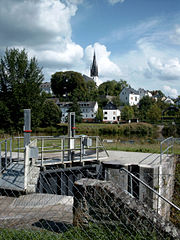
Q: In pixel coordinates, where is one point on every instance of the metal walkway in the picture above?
(19, 169)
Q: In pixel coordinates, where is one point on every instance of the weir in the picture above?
(26, 168)
(47, 164)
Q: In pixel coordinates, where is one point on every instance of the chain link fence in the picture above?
(88, 200)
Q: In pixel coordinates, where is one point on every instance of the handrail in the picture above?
(159, 195)
(170, 145)
(6, 151)
(63, 147)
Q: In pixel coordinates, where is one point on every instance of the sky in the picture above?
(134, 40)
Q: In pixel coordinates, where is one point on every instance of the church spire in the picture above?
(94, 67)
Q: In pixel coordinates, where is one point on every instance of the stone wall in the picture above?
(104, 202)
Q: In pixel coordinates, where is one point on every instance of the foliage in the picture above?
(132, 129)
(112, 88)
(102, 101)
(99, 115)
(158, 93)
(20, 81)
(74, 107)
(51, 114)
(169, 130)
(5, 119)
(144, 105)
(127, 113)
(154, 113)
(91, 93)
(69, 85)
(91, 231)
(136, 111)
(117, 102)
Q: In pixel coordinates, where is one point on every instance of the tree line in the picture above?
(20, 80)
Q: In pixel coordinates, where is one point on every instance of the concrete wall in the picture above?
(103, 202)
(159, 177)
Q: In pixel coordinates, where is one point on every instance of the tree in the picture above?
(116, 101)
(99, 115)
(127, 113)
(68, 85)
(76, 108)
(20, 80)
(144, 105)
(51, 114)
(154, 113)
(158, 93)
(112, 88)
(91, 91)
(5, 120)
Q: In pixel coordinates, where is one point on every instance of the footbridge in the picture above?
(20, 166)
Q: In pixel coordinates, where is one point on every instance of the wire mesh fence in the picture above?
(107, 204)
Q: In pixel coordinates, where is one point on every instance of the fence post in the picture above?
(42, 148)
(26, 166)
(97, 148)
(5, 154)
(62, 149)
(0, 159)
(10, 150)
(81, 150)
(160, 153)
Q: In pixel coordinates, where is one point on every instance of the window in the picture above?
(135, 98)
(114, 113)
(92, 115)
(114, 118)
(131, 98)
(105, 112)
(105, 118)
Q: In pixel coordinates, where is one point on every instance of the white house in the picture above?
(130, 96)
(111, 113)
(88, 110)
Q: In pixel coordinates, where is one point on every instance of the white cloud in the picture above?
(167, 70)
(43, 28)
(115, 1)
(172, 92)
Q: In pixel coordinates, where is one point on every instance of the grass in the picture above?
(139, 146)
(92, 232)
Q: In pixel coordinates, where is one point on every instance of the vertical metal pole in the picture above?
(0, 159)
(160, 153)
(131, 185)
(62, 149)
(71, 134)
(97, 148)
(42, 148)
(18, 147)
(10, 150)
(5, 154)
(27, 126)
(81, 149)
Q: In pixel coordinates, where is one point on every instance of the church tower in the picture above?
(94, 69)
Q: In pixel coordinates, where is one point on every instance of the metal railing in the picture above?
(64, 148)
(5, 153)
(150, 188)
(169, 142)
